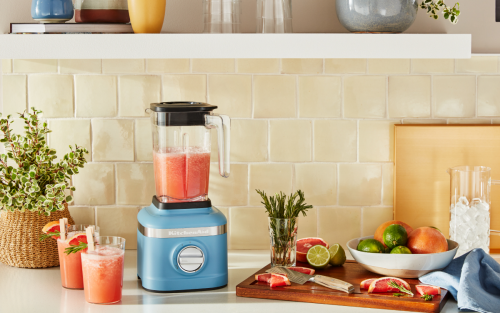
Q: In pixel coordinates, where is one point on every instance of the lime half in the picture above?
(318, 257)
(337, 255)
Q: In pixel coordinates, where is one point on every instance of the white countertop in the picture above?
(40, 291)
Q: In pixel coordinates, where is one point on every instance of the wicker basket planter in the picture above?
(19, 244)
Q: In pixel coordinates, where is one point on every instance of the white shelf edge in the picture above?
(135, 46)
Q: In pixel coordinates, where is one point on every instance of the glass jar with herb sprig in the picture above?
(283, 215)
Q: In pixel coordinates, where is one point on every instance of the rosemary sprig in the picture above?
(399, 294)
(427, 297)
(76, 248)
(283, 211)
(393, 284)
(48, 235)
(278, 206)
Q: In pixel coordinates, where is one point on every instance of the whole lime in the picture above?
(395, 235)
(401, 250)
(371, 246)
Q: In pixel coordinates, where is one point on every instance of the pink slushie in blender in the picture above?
(182, 237)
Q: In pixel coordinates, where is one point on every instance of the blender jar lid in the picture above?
(182, 106)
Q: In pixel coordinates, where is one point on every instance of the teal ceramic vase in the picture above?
(377, 16)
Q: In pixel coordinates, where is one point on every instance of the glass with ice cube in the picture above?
(470, 207)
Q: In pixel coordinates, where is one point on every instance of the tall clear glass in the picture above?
(222, 16)
(274, 16)
(283, 233)
(103, 270)
(181, 155)
(71, 264)
(470, 207)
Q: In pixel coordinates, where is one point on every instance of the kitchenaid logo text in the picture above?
(188, 232)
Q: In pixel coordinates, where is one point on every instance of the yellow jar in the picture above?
(146, 16)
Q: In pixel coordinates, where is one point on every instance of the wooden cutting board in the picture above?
(351, 272)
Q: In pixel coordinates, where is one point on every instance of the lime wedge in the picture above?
(318, 257)
(337, 255)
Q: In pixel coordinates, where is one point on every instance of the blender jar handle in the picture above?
(223, 125)
(495, 232)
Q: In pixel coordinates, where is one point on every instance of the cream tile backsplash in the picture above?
(323, 126)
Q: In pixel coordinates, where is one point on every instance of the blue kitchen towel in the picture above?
(473, 279)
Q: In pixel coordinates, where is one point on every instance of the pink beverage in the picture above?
(71, 267)
(182, 174)
(103, 271)
(71, 264)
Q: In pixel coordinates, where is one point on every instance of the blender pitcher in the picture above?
(181, 149)
(470, 207)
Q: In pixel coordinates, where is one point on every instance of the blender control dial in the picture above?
(190, 259)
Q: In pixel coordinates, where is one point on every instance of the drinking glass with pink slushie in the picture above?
(103, 270)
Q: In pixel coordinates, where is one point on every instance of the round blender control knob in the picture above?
(190, 259)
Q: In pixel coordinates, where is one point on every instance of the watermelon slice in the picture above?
(382, 285)
(279, 280)
(304, 244)
(365, 284)
(305, 270)
(427, 289)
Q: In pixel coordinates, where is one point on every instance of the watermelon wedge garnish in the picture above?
(383, 285)
(365, 284)
(51, 229)
(428, 289)
(279, 280)
(304, 270)
(304, 244)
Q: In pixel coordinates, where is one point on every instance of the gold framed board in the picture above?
(423, 153)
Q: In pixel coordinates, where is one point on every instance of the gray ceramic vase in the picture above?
(377, 16)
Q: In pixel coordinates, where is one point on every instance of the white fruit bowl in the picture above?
(402, 265)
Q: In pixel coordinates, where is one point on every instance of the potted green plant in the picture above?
(390, 16)
(34, 190)
(283, 212)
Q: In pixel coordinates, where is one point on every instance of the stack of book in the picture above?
(70, 28)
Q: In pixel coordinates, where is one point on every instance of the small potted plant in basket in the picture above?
(33, 191)
(283, 212)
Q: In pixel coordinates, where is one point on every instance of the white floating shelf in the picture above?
(130, 46)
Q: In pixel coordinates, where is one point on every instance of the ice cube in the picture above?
(463, 201)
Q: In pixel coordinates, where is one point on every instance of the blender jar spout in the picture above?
(223, 125)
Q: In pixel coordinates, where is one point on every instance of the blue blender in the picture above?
(181, 237)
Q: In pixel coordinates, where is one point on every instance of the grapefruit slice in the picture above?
(365, 284)
(382, 285)
(76, 239)
(266, 277)
(305, 270)
(263, 277)
(51, 227)
(304, 244)
(279, 280)
(427, 289)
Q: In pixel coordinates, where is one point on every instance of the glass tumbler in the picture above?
(222, 16)
(283, 232)
(470, 207)
(274, 16)
(103, 270)
(71, 264)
